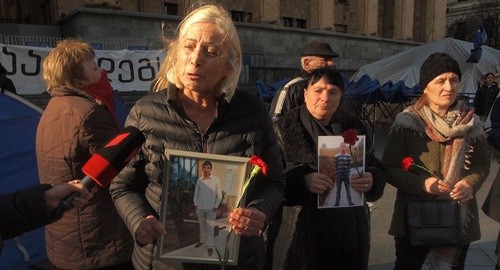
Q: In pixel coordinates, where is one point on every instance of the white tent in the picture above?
(405, 66)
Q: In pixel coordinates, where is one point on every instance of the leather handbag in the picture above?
(433, 223)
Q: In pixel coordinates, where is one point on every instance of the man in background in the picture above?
(315, 54)
(485, 96)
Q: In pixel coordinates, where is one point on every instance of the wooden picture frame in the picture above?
(179, 215)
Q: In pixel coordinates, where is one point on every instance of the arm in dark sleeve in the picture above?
(494, 134)
(296, 189)
(23, 211)
(128, 188)
(268, 192)
(394, 152)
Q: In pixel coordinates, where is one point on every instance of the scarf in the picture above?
(455, 130)
(102, 91)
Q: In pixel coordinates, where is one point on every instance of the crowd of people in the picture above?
(194, 106)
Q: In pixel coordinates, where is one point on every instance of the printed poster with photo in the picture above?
(340, 162)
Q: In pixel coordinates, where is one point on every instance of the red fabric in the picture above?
(103, 92)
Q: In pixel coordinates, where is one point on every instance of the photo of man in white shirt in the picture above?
(207, 197)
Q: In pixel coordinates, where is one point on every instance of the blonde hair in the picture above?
(217, 16)
(63, 65)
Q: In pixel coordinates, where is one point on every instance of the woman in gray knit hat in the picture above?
(448, 148)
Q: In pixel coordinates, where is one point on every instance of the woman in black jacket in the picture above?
(327, 238)
(196, 108)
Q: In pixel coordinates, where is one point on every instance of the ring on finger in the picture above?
(246, 227)
(366, 185)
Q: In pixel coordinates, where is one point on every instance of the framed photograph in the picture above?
(199, 191)
(340, 161)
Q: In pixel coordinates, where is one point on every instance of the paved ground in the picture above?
(481, 255)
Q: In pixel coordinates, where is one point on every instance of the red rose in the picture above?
(255, 160)
(350, 136)
(406, 163)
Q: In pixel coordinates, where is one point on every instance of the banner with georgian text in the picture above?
(127, 70)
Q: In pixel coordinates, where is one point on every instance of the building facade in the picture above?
(464, 17)
(416, 20)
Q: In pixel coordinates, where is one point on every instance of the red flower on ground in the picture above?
(406, 163)
(350, 136)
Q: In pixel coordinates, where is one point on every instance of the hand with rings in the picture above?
(363, 183)
(247, 221)
(149, 230)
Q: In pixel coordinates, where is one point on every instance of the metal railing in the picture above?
(98, 44)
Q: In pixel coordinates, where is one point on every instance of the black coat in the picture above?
(23, 211)
(324, 238)
(242, 128)
(491, 206)
(485, 96)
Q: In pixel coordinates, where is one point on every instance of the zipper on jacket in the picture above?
(204, 139)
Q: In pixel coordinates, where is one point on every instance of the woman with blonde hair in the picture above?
(196, 108)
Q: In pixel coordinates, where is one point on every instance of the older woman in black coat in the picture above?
(331, 238)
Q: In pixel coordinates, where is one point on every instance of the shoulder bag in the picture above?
(433, 223)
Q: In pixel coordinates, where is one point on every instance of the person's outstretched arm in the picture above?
(30, 208)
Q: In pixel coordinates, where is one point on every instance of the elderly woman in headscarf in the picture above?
(445, 139)
(325, 238)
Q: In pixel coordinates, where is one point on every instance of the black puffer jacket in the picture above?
(242, 128)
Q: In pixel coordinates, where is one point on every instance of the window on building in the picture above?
(45, 11)
(489, 25)
(292, 22)
(460, 30)
(341, 28)
(241, 16)
(171, 9)
(27, 19)
(301, 23)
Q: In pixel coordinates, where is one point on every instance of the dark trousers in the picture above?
(413, 257)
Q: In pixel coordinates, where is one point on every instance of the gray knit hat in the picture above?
(435, 65)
